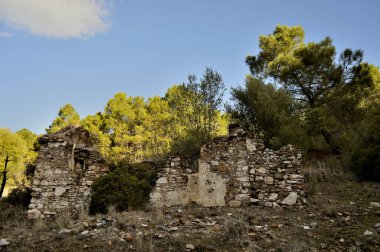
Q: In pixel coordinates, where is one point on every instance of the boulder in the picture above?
(291, 199)
(3, 243)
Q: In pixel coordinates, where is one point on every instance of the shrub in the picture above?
(269, 111)
(20, 196)
(365, 160)
(125, 187)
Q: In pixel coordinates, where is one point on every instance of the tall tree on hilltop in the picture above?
(308, 71)
(196, 114)
(67, 115)
(212, 89)
(272, 113)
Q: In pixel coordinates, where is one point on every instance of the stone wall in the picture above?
(66, 167)
(235, 170)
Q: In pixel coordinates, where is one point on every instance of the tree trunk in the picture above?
(4, 172)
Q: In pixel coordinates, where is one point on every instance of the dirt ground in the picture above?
(342, 215)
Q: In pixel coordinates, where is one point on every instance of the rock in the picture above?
(241, 197)
(3, 243)
(85, 234)
(253, 200)
(190, 246)
(268, 180)
(306, 227)
(214, 163)
(44, 183)
(273, 196)
(34, 213)
(188, 171)
(295, 176)
(374, 204)
(367, 233)
(261, 170)
(128, 237)
(291, 199)
(250, 145)
(64, 231)
(278, 176)
(234, 203)
(162, 180)
(259, 178)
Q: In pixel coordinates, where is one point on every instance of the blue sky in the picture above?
(144, 47)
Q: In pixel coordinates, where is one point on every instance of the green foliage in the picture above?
(365, 159)
(67, 115)
(31, 143)
(270, 112)
(135, 129)
(196, 117)
(126, 187)
(13, 149)
(308, 71)
(96, 125)
(20, 196)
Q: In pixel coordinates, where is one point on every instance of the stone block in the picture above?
(261, 170)
(291, 199)
(251, 146)
(273, 196)
(253, 200)
(234, 203)
(214, 163)
(268, 180)
(162, 180)
(59, 191)
(242, 197)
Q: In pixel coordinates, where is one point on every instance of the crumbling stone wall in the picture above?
(66, 167)
(234, 170)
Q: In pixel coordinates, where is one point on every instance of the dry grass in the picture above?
(235, 229)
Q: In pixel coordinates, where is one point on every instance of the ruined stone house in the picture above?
(66, 167)
(235, 170)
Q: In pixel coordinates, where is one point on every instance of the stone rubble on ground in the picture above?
(367, 233)
(3, 243)
(374, 204)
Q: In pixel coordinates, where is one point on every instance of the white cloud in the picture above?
(56, 18)
(4, 34)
